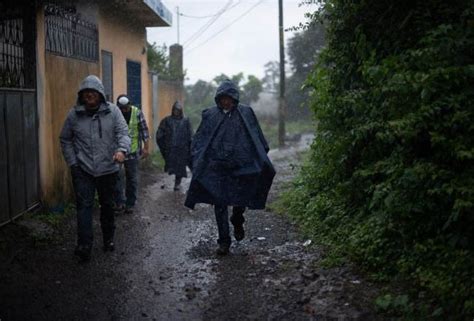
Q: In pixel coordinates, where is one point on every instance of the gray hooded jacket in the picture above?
(90, 141)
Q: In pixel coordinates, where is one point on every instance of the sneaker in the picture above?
(239, 232)
(223, 249)
(83, 252)
(176, 188)
(128, 210)
(109, 246)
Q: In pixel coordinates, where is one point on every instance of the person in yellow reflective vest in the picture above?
(127, 184)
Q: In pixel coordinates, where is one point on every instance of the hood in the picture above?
(227, 88)
(177, 107)
(91, 82)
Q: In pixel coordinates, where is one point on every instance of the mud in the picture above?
(164, 266)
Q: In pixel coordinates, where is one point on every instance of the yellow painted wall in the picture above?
(169, 91)
(125, 40)
(58, 80)
(63, 77)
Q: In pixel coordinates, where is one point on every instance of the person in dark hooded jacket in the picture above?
(230, 163)
(173, 137)
(94, 139)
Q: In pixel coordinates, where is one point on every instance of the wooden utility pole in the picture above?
(281, 102)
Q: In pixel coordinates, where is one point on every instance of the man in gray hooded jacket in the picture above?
(94, 139)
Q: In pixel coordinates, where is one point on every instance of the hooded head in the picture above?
(229, 89)
(89, 83)
(177, 110)
(123, 102)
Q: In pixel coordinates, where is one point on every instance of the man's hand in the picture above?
(119, 157)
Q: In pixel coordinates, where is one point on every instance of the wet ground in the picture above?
(165, 268)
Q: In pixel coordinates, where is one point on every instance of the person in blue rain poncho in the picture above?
(229, 163)
(173, 137)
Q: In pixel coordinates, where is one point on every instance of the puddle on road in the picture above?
(269, 275)
(168, 283)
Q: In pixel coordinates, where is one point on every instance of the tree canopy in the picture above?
(157, 57)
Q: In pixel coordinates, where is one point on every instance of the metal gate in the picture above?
(19, 173)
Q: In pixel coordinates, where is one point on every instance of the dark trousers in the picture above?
(85, 186)
(128, 181)
(222, 220)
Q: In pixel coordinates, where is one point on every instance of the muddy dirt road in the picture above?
(165, 267)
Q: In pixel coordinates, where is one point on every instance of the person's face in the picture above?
(226, 102)
(125, 108)
(176, 112)
(91, 98)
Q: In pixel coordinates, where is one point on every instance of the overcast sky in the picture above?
(242, 39)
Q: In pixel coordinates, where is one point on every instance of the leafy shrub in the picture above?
(390, 180)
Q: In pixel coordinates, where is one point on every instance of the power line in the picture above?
(203, 28)
(206, 26)
(196, 17)
(208, 16)
(227, 26)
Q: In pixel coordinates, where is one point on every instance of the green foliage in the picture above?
(303, 51)
(236, 79)
(270, 129)
(271, 79)
(157, 57)
(251, 89)
(157, 160)
(159, 62)
(201, 95)
(154, 161)
(198, 97)
(54, 218)
(390, 181)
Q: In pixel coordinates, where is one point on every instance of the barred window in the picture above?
(68, 35)
(17, 51)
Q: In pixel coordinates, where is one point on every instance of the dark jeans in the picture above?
(222, 219)
(85, 186)
(128, 176)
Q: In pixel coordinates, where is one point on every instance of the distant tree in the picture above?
(200, 94)
(304, 48)
(251, 89)
(272, 76)
(158, 59)
(220, 78)
(236, 79)
(303, 51)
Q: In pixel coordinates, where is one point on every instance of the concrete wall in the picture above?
(119, 35)
(168, 92)
(58, 81)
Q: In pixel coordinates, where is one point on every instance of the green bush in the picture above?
(390, 181)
